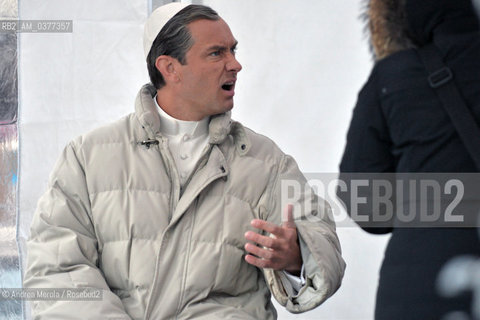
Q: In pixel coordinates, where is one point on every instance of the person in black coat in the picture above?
(400, 125)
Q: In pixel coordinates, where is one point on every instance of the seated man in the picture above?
(174, 212)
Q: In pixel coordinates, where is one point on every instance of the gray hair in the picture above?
(175, 39)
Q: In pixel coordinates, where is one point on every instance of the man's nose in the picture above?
(233, 64)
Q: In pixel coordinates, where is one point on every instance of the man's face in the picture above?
(209, 75)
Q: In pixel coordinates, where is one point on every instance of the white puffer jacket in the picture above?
(115, 218)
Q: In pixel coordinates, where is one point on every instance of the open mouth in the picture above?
(228, 86)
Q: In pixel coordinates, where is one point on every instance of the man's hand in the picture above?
(279, 252)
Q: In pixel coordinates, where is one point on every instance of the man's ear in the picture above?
(166, 65)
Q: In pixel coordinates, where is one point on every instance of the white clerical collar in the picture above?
(172, 127)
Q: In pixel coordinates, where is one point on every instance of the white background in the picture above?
(303, 64)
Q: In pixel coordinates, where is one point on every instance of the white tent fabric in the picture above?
(303, 64)
(70, 83)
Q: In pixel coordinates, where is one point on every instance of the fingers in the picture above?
(267, 226)
(276, 254)
(259, 252)
(259, 257)
(262, 257)
(287, 222)
(287, 219)
(265, 241)
(257, 262)
(279, 251)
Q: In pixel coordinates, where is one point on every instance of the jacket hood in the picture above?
(394, 25)
(386, 27)
(429, 17)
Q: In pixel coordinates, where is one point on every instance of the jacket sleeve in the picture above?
(319, 244)
(62, 248)
(368, 153)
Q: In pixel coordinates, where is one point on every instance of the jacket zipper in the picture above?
(174, 195)
(173, 174)
(185, 268)
(172, 171)
(200, 163)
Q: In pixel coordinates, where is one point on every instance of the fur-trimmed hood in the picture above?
(394, 25)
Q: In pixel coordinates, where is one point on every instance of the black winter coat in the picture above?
(399, 125)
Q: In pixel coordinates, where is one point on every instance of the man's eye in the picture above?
(233, 51)
(215, 53)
